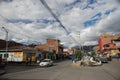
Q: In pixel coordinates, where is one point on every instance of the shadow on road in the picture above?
(4, 79)
(17, 67)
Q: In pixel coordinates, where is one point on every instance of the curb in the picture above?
(76, 64)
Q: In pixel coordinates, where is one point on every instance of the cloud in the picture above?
(7, 1)
(30, 21)
(109, 24)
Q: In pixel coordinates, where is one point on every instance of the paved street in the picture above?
(64, 71)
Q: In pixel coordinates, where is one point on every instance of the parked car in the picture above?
(103, 59)
(46, 63)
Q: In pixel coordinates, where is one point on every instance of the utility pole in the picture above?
(57, 46)
(6, 40)
(78, 34)
(79, 41)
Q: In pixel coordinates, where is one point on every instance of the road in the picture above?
(64, 71)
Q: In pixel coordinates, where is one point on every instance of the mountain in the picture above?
(10, 44)
(31, 43)
(2, 43)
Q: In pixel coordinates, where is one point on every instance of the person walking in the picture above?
(118, 56)
(27, 62)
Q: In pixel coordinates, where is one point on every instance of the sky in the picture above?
(28, 21)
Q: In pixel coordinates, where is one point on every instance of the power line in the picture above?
(49, 9)
(60, 23)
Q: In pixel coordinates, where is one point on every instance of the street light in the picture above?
(6, 40)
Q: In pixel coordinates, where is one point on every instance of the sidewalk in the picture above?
(32, 64)
(21, 64)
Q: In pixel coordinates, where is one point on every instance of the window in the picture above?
(5, 55)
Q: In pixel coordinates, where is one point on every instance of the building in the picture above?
(20, 54)
(52, 45)
(17, 52)
(109, 43)
(96, 49)
(69, 51)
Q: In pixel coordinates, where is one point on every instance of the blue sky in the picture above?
(97, 17)
(89, 18)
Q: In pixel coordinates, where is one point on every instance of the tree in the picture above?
(78, 54)
(93, 53)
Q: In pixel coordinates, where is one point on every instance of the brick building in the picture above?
(52, 45)
(109, 43)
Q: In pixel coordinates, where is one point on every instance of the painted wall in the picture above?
(18, 56)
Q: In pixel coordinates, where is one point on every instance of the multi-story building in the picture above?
(52, 45)
(109, 43)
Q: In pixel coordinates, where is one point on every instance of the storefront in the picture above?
(20, 55)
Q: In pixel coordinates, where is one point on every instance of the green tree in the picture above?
(51, 56)
(93, 53)
(78, 54)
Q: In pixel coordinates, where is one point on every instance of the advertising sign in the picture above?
(18, 56)
(117, 43)
(13, 56)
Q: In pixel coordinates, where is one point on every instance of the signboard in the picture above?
(117, 43)
(15, 56)
(18, 56)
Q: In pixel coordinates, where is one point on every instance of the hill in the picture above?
(10, 44)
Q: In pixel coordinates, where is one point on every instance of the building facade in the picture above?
(51, 45)
(109, 44)
(20, 54)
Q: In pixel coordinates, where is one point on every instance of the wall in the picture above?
(51, 45)
(107, 43)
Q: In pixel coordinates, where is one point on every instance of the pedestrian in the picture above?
(118, 56)
(27, 62)
(30, 61)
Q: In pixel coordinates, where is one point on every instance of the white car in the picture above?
(46, 62)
